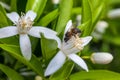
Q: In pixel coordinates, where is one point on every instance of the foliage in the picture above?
(14, 66)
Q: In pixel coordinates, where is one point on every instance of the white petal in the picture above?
(13, 17)
(8, 31)
(72, 50)
(48, 33)
(25, 46)
(46, 30)
(78, 60)
(36, 30)
(31, 14)
(55, 63)
(86, 40)
(68, 26)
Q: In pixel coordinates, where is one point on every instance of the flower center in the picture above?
(24, 24)
(78, 42)
(73, 45)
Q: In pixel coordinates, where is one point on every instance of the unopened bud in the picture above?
(115, 13)
(78, 20)
(101, 26)
(100, 29)
(38, 78)
(101, 58)
(55, 1)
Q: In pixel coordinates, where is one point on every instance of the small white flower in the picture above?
(115, 13)
(101, 58)
(24, 28)
(68, 49)
(78, 19)
(100, 28)
(55, 1)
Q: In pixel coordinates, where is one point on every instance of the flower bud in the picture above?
(115, 13)
(101, 58)
(78, 20)
(100, 29)
(38, 78)
(55, 1)
(101, 26)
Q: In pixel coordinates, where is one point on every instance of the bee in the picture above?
(73, 32)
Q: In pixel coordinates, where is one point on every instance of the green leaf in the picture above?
(12, 75)
(86, 11)
(95, 75)
(34, 42)
(97, 9)
(3, 20)
(10, 40)
(14, 51)
(48, 18)
(37, 6)
(110, 39)
(76, 10)
(65, 10)
(13, 5)
(3, 23)
(86, 17)
(82, 26)
(97, 14)
(64, 72)
(49, 48)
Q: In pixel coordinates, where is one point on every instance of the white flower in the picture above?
(101, 58)
(78, 19)
(100, 28)
(68, 49)
(115, 13)
(55, 1)
(24, 28)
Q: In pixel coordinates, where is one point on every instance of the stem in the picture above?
(86, 57)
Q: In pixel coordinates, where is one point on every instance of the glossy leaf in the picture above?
(110, 39)
(97, 14)
(12, 75)
(10, 40)
(13, 5)
(3, 20)
(95, 75)
(48, 18)
(77, 10)
(65, 13)
(86, 17)
(86, 11)
(14, 51)
(49, 48)
(37, 6)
